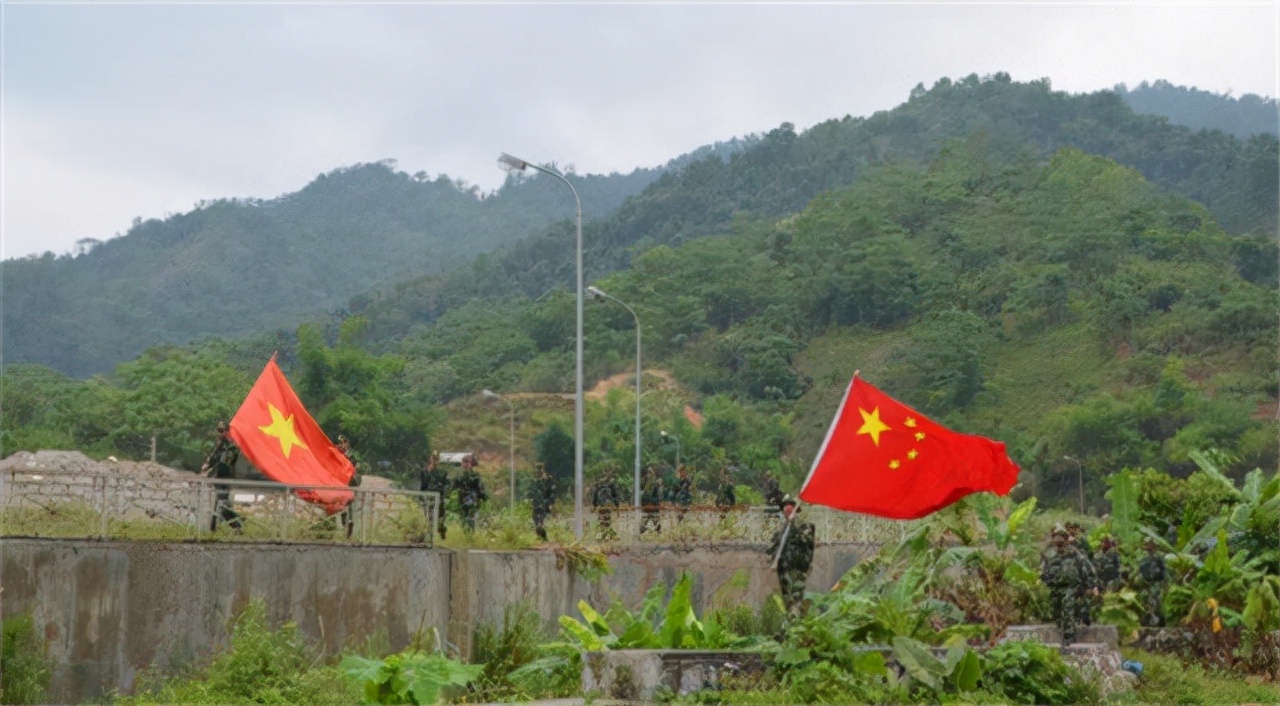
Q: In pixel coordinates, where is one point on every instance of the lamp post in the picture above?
(491, 394)
(521, 165)
(597, 292)
(1079, 479)
(676, 439)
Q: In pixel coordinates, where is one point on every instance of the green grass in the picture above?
(1168, 680)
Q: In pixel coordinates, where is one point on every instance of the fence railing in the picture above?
(122, 506)
(709, 523)
(164, 506)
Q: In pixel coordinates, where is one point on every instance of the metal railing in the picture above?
(164, 506)
(709, 523)
(100, 505)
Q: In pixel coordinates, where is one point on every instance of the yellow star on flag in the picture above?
(895, 464)
(911, 421)
(919, 436)
(872, 425)
(281, 427)
(911, 455)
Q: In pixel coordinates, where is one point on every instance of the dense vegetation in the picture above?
(1247, 115)
(232, 267)
(1066, 306)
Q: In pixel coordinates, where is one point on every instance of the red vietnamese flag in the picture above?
(883, 458)
(274, 431)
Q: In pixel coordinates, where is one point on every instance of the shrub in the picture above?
(261, 665)
(1033, 673)
(23, 662)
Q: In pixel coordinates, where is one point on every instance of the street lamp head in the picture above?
(594, 292)
(514, 163)
(663, 433)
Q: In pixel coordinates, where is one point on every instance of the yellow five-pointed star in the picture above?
(872, 425)
(281, 427)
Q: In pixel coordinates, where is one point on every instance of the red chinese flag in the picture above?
(274, 431)
(883, 458)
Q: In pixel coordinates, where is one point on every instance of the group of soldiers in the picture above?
(1077, 578)
(469, 487)
(653, 494)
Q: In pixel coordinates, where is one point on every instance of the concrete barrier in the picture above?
(110, 609)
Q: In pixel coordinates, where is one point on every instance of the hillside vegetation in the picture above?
(401, 248)
(1065, 304)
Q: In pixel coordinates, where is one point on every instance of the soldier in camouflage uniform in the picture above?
(682, 494)
(221, 463)
(1110, 573)
(471, 492)
(1091, 599)
(726, 495)
(795, 558)
(651, 501)
(772, 493)
(543, 496)
(435, 479)
(1154, 575)
(347, 516)
(1069, 576)
(604, 497)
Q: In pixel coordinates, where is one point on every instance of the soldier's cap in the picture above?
(787, 500)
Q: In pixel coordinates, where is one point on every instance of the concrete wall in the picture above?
(110, 609)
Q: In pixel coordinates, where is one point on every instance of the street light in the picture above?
(596, 292)
(490, 393)
(520, 165)
(1079, 479)
(676, 439)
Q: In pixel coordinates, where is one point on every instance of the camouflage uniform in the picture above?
(347, 516)
(682, 495)
(772, 493)
(651, 501)
(726, 496)
(1110, 573)
(221, 463)
(543, 496)
(604, 496)
(795, 559)
(1091, 598)
(471, 493)
(435, 479)
(1070, 578)
(1154, 575)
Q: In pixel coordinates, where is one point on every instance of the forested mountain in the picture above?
(1242, 117)
(352, 236)
(233, 267)
(1004, 122)
(1061, 303)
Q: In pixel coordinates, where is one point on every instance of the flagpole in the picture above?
(786, 530)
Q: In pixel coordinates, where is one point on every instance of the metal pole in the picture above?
(577, 382)
(577, 400)
(636, 486)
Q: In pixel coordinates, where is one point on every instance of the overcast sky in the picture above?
(116, 111)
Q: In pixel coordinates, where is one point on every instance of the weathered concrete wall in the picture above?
(110, 609)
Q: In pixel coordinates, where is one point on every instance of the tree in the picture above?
(554, 448)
